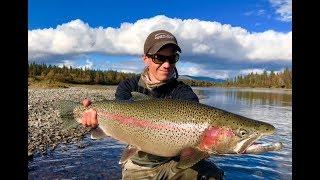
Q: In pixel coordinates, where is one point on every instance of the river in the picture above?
(99, 158)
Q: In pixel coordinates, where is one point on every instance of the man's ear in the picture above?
(145, 59)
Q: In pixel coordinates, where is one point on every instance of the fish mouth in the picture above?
(246, 143)
(249, 146)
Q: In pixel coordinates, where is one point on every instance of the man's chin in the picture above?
(163, 78)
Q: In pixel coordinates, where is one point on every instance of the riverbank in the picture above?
(56, 84)
(45, 126)
(256, 89)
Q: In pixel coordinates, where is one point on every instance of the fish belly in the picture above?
(165, 139)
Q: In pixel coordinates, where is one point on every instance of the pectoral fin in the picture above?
(128, 153)
(190, 156)
(98, 133)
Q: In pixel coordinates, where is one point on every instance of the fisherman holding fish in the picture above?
(158, 80)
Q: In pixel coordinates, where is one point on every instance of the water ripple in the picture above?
(99, 159)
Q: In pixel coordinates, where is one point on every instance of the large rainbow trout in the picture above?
(168, 128)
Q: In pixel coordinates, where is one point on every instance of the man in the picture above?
(159, 80)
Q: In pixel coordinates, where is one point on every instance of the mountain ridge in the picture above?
(200, 78)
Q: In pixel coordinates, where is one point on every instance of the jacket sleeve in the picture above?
(184, 92)
(125, 88)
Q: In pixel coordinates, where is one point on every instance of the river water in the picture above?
(99, 158)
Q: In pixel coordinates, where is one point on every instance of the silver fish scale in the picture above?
(160, 110)
(163, 134)
(159, 141)
(170, 141)
(164, 127)
(177, 111)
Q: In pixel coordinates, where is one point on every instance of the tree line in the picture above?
(267, 80)
(76, 75)
(71, 75)
(110, 77)
(199, 83)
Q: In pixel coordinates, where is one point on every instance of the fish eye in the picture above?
(242, 132)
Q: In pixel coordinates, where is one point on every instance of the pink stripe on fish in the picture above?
(136, 122)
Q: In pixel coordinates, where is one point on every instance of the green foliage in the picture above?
(272, 80)
(64, 74)
(49, 73)
(197, 83)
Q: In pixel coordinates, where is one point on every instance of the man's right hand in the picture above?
(89, 117)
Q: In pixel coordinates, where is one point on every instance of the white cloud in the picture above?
(196, 38)
(268, 48)
(189, 69)
(130, 66)
(219, 74)
(248, 71)
(248, 13)
(261, 12)
(73, 64)
(88, 65)
(67, 63)
(283, 8)
(199, 70)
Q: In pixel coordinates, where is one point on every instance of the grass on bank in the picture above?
(34, 82)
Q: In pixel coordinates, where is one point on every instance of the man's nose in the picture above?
(166, 64)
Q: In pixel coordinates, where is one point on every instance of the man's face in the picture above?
(160, 72)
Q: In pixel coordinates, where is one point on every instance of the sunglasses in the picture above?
(160, 59)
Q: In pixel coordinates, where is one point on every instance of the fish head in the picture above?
(247, 135)
(234, 138)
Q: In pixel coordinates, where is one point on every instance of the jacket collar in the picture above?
(145, 82)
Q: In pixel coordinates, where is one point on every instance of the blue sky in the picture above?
(227, 37)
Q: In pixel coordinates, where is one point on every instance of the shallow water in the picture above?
(99, 158)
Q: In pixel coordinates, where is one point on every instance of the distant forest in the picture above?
(266, 80)
(75, 75)
(52, 73)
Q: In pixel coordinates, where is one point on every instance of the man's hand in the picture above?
(89, 118)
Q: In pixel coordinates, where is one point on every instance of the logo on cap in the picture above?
(163, 35)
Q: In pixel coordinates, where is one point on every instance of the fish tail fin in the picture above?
(66, 114)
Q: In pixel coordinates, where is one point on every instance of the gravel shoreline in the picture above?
(45, 126)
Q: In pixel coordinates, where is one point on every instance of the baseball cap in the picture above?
(157, 39)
